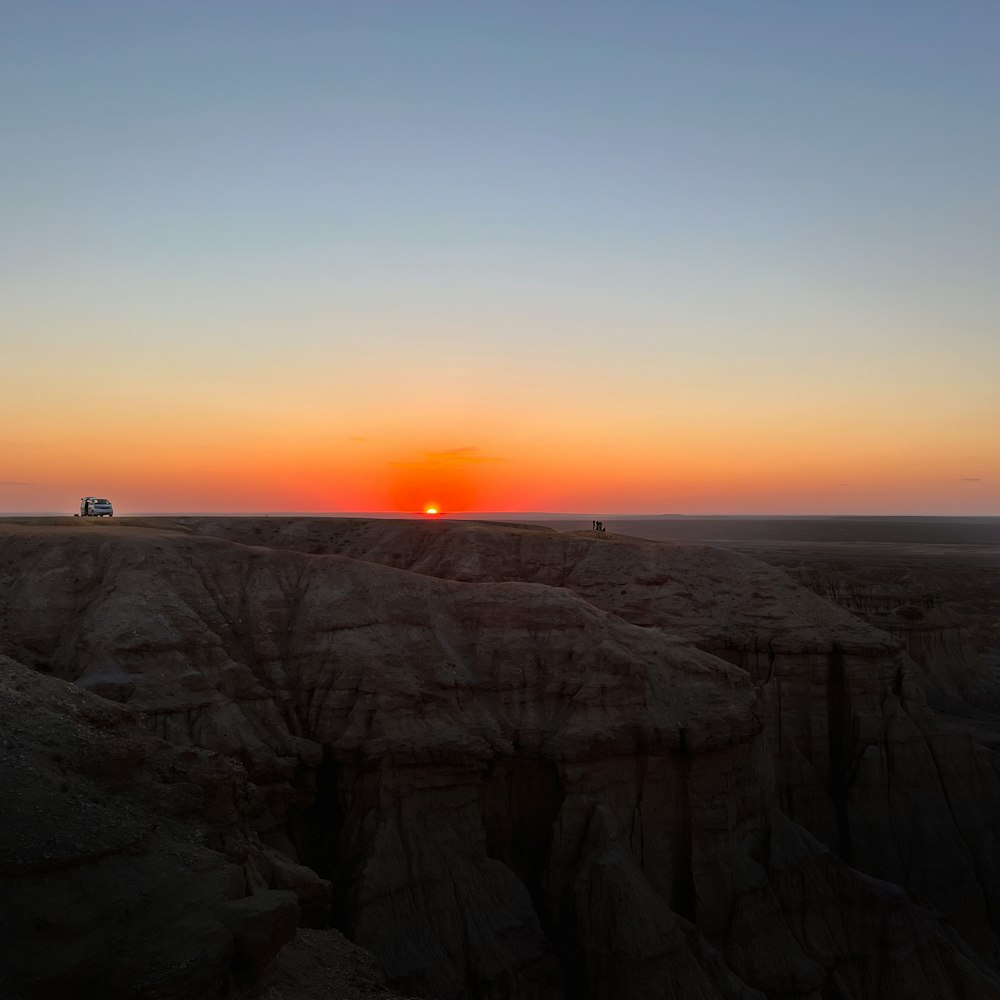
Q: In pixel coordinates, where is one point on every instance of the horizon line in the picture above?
(463, 514)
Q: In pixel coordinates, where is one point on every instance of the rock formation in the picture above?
(528, 764)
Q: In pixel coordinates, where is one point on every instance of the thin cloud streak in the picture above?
(451, 458)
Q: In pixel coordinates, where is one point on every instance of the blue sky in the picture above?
(645, 198)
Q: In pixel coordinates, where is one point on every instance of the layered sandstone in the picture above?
(859, 759)
(533, 765)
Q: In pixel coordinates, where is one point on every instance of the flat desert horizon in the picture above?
(972, 529)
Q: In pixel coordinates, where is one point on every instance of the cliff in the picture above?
(531, 764)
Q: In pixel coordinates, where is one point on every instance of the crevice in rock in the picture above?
(982, 879)
(637, 831)
(521, 800)
(683, 898)
(315, 833)
(839, 731)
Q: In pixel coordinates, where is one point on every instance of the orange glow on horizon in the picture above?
(868, 463)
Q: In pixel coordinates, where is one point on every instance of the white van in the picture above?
(95, 507)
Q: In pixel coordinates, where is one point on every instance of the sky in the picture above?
(598, 257)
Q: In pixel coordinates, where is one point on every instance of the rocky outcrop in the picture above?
(527, 763)
(128, 868)
(941, 614)
(855, 747)
(124, 863)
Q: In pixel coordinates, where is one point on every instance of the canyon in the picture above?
(293, 757)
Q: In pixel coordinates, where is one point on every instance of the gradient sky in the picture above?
(601, 257)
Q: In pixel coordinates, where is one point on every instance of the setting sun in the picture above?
(430, 510)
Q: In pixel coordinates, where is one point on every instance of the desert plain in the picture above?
(711, 758)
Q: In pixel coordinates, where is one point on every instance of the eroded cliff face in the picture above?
(127, 865)
(859, 759)
(540, 766)
(941, 613)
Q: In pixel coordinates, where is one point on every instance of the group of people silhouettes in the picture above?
(598, 525)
